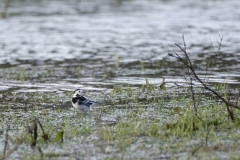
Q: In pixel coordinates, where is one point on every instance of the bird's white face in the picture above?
(77, 93)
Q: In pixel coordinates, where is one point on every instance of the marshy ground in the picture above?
(118, 54)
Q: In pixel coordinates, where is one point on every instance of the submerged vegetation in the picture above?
(154, 105)
(153, 123)
(151, 120)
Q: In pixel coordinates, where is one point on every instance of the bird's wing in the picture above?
(81, 98)
(85, 101)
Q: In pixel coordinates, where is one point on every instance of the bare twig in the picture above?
(14, 148)
(194, 151)
(189, 73)
(35, 134)
(19, 143)
(31, 129)
(216, 54)
(6, 142)
(45, 136)
(189, 65)
(193, 97)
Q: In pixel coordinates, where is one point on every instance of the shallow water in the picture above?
(54, 47)
(46, 37)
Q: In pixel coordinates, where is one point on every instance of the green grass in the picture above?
(156, 121)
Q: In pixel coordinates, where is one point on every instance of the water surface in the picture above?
(57, 46)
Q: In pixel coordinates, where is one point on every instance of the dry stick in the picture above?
(45, 136)
(196, 149)
(189, 65)
(14, 148)
(29, 131)
(41, 152)
(19, 143)
(228, 105)
(193, 97)
(191, 84)
(35, 134)
(207, 88)
(6, 142)
(216, 53)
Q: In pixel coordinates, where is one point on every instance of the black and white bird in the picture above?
(81, 103)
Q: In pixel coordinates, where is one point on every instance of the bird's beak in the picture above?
(82, 91)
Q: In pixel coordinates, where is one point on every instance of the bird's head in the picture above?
(77, 93)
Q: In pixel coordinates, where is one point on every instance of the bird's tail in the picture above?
(96, 102)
